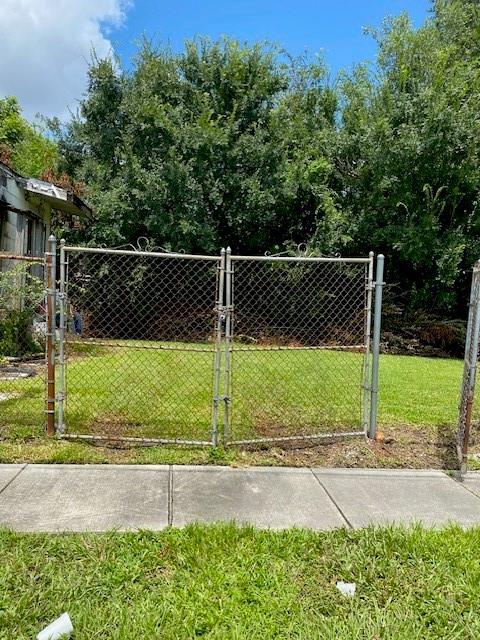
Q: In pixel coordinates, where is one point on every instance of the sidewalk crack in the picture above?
(14, 478)
(334, 502)
(461, 483)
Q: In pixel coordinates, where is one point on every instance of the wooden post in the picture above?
(51, 326)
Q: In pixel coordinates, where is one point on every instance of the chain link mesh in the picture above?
(140, 345)
(298, 348)
(22, 346)
(149, 353)
(146, 335)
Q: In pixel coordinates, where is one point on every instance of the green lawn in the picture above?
(167, 393)
(227, 582)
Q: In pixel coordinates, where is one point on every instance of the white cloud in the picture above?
(45, 48)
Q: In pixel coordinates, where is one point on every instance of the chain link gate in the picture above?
(297, 363)
(138, 345)
(177, 348)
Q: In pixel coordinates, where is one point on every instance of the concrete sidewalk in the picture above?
(102, 497)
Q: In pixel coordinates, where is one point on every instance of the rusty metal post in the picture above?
(467, 392)
(50, 265)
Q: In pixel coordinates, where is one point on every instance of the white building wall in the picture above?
(14, 234)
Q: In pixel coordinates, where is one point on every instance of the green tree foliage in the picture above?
(241, 145)
(222, 144)
(409, 153)
(24, 146)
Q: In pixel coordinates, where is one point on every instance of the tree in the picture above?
(24, 146)
(243, 145)
(204, 148)
(409, 156)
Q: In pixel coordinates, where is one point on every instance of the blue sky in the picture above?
(334, 27)
(44, 61)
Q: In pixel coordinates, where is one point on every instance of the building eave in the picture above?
(57, 197)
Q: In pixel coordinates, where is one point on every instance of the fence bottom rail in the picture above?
(130, 439)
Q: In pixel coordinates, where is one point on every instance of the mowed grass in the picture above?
(168, 393)
(224, 582)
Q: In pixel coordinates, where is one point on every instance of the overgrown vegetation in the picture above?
(25, 146)
(30, 148)
(228, 582)
(226, 143)
(21, 293)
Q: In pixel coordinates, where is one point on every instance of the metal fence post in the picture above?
(377, 320)
(228, 340)
(50, 333)
(368, 338)
(467, 390)
(61, 348)
(218, 344)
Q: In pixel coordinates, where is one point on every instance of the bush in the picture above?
(16, 337)
(21, 293)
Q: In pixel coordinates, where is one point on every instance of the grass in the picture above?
(168, 393)
(122, 390)
(221, 581)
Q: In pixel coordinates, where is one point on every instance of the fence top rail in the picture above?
(149, 254)
(12, 256)
(191, 256)
(300, 259)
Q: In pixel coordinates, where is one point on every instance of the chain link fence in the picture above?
(298, 346)
(23, 333)
(159, 347)
(162, 347)
(138, 331)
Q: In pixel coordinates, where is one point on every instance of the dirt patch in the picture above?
(403, 446)
(268, 427)
(114, 426)
(16, 372)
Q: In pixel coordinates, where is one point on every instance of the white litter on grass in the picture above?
(60, 628)
(347, 588)
(7, 396)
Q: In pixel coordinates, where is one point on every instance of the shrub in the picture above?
(21, 295)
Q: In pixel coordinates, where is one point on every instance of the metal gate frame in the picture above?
(62, 294)
(373, 290)
(223, 343)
